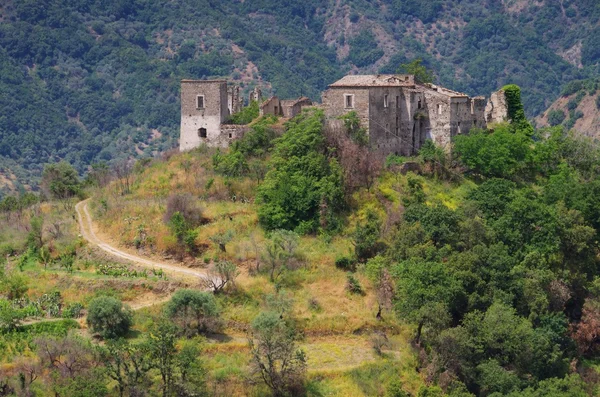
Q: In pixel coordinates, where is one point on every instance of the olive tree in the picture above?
(194, 311)
(108, 317)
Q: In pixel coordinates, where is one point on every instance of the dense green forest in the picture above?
(92, 80)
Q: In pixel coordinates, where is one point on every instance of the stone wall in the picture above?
(496, 110)
(271, 106)
(196, 121)
(230, 132)
(390, 127)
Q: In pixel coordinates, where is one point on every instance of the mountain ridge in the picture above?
(89, 81)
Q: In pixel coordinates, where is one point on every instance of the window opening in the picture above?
(200, 101)
(385, 101)
(349, 101)
(202, 132)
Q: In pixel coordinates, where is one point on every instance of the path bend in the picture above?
(87, 231)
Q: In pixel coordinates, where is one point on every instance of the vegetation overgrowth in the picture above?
(475, 276)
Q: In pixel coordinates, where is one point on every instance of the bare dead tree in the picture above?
(55, 229)
(362, 166)
(221, 275)
(123, 171)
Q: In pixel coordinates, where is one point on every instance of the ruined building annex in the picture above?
(398, 113)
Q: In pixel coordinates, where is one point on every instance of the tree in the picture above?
(366, 236)
(220, 276)
(221, 239)
(303, 188)
(587, 332)
(556, 117)
(278, 252)
(108, 317)
(425, 293)
(193, 311)
(434, 158)
(415, 67)
(127, 364)
(276, 359)
(60, 181)
(501, 154)
(10, 317)
(162, 350)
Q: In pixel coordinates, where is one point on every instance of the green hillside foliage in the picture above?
(303, 188)
(90, 81)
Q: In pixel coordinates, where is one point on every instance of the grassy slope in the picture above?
(341, 359)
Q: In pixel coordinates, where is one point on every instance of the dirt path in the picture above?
(87, 231)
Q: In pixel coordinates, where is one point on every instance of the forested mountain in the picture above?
(98, 80)
(577, 108)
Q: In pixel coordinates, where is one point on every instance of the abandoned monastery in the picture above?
(398, 113)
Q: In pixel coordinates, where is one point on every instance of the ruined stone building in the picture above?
(400, 114)
(207, 104)
(288, 108)
(205, 108)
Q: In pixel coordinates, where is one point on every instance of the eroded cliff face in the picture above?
(496, 110)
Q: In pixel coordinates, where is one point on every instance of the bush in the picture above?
(73, 310)
(345, 263)
(499, 154)
(246, 115)
(187, 206)
(366, 237)
(108, 317)
(194, 311)
(555, 117)
(353, 285)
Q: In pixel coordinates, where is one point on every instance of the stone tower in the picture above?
(234, 100)
(255, 95)
(203, 109)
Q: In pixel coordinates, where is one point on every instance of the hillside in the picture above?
(577, 108)
(91, 81)
(290, 265)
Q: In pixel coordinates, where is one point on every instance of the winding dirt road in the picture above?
(87, 231)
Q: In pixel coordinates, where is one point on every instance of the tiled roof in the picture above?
(375, 80)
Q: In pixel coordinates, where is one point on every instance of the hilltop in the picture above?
(87, 82)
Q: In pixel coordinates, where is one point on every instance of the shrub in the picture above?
(353, 285)
(366, 236)
(108, 317)
(194, 311)
(73, 310)
(246, 115)
(555, 117)
(10, 317)
(187, 206)
(345, 263)
(221, 275)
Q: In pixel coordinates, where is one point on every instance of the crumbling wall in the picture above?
(230, 132)
(271, 106)
(255, 95)
(496, 110)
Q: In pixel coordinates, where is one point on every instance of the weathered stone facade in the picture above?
(288, 108)
(203, 110)
(400, 114)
